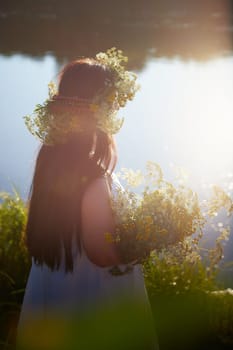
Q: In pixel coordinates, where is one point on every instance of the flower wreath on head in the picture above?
(59, 116)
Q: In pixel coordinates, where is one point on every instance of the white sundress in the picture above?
(54, 296)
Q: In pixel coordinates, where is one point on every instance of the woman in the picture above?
(72, 300)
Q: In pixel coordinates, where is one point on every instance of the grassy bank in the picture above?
(189, 308)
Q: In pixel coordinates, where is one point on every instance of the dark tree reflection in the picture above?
(143, 29)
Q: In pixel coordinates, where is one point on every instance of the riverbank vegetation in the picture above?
(191, 308)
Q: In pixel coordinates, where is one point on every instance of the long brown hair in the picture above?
(63, 171)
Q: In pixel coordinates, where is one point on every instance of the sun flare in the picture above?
(206, 124)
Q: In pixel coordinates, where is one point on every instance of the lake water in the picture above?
(182, 116)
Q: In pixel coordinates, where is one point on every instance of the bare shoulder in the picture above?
(99, 186)
(96, 198)
(97, 220)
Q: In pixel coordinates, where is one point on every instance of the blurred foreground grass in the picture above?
(190, 311)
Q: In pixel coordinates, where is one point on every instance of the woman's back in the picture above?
(70, 288)
(90, 290)
(87, 278)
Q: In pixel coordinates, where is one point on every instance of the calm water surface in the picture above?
(180, 118)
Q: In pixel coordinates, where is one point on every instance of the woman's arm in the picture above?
(97, 220)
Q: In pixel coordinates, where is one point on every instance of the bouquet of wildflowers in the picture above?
(162, 216)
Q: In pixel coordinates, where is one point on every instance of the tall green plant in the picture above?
(14, 260)
(14, 263)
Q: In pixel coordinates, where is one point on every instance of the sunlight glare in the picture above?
(207, 120)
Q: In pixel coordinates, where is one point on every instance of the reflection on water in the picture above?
(182, 115)
(23, 84)
(144, 29)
